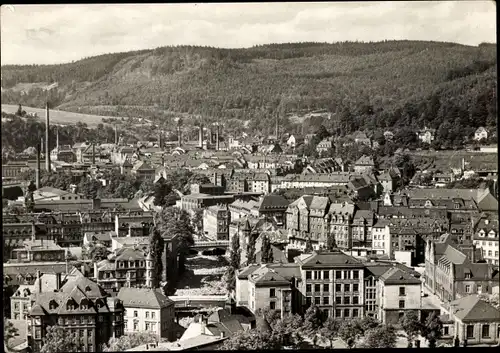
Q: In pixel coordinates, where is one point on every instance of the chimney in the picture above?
(57, 137)
(37, 171)
(276, 128)
(179, 137)
(217, 131)
(200, 136)
(47, 138)
(93, 153)
(116, 135)
(58, 281)
(41, 145)
(160, 142)
(39, 278)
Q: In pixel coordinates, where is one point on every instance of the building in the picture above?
(143, 171)
(48, 193)
(39, 251)
(364, 164)
(324, 145)
(334, 282)
(294, 141)
(472, 320)
(126, 267)
(426, 135)
(260, 182)
(102, 238)
(20, 303)
(81, 307)
(216, 220)
(398, 292)
(63, 153)
(481, 133)
(486, 238)
(147, 310)
(273, 207)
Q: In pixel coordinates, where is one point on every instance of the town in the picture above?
(249, 176)
(336, 241)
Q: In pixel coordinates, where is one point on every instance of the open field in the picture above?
(444, 160)
(58, 116)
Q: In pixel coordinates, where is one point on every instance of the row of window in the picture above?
(147, 314)
(344, 274)
(338, 287)
(150, 326)
(338, 300)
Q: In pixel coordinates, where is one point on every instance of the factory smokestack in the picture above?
(93, 153)
(47, 138)
(57, 137)
(160, 142)
(217, 131)
(179, 137)
(116, 135)
(200, 136)
(37, 171)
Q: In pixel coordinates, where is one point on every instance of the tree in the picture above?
(19, 110)
(411, 326)
(330, 329)
(129, 341)
(95, 252)
(198, 220)
(161, 190)
(350, 331)
(309, 247)
(59, 340)
(156, 249)
(432, 330)
(235, 257)
(9, 332)
(313, 321)
(330, 242)
(251, 340)
(266, 250)
(287, 331)
(382, 336)
(251, 256)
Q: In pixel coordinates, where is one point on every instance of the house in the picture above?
(78, 302)
(216, 220)
(324, 145)
(260, 182)
(294, 141)
(360, 137)
(103, 238)
(39, 251)
(147, 310)
(481, 133)
(63, 153)
(364, 164)
(426, 135)
(486, 238)
(143, 171)
(398, 292)
(48, 193)
(473, 320)
(273, 207)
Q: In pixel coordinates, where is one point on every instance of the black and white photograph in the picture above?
(249, 176)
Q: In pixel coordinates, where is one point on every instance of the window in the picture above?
(326, 274)
(253, 292)
(317, 287)
(135, 313)
(402, 291)
(308, 301)
(338, 287)
(446, 330)
(470, 331)
(467, 288)
(485, 333)
(272, 292)
(91, 348)
(355, 300)
(308, 274)
(347, 287)
(147, 314)
(326, 300)
(81, 333)
(338, 300)
(153, 326)
(401, 304)
(308, 288)
(347, 313)
(125, 324)
(326, 287)
(272, 305)
(101, 318)
(338, 274)
(347, 274)
(355, 312)
(355, 274)
(355, 287)
(136, 325)
(479, 288)
(347, 300)
(317, 300)
(317, 274)
(148, 326)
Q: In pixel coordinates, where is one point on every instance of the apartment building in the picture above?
(216, 220)
(147, 310)
(398, 292)
(333, 281)
(486, 238)
(81, 307)
(340, 216)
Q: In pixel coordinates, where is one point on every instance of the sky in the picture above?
(52, 34)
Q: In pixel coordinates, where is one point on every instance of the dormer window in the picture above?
(457, 206)
(468, 275)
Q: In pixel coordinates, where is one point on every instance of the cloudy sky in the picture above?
(46, 34)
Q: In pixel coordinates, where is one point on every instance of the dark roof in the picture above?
(473, 309)
(143, 298)
(271, 202)
(398, 276)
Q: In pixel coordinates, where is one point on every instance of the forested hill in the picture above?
(364, 85)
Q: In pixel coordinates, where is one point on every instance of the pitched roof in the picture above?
(143, 298)
(473, 309)
(329, 259)
(397, 276)
(270, 202)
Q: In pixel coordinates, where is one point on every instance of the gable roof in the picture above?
(335, 258)
(270, 202)
(143, 298)
(397, 276)
(473, 309)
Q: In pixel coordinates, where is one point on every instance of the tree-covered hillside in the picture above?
(364, 85)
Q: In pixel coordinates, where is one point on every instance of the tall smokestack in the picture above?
(179, 137)
(217, 137)
(116, 135)
(200, 136)
(93, 153)
(160, 142)
(57, 137)
(37, 171)
(276, 130)
(41, 145)
(47, 138)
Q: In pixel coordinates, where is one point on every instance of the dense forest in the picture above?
(365, 86)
